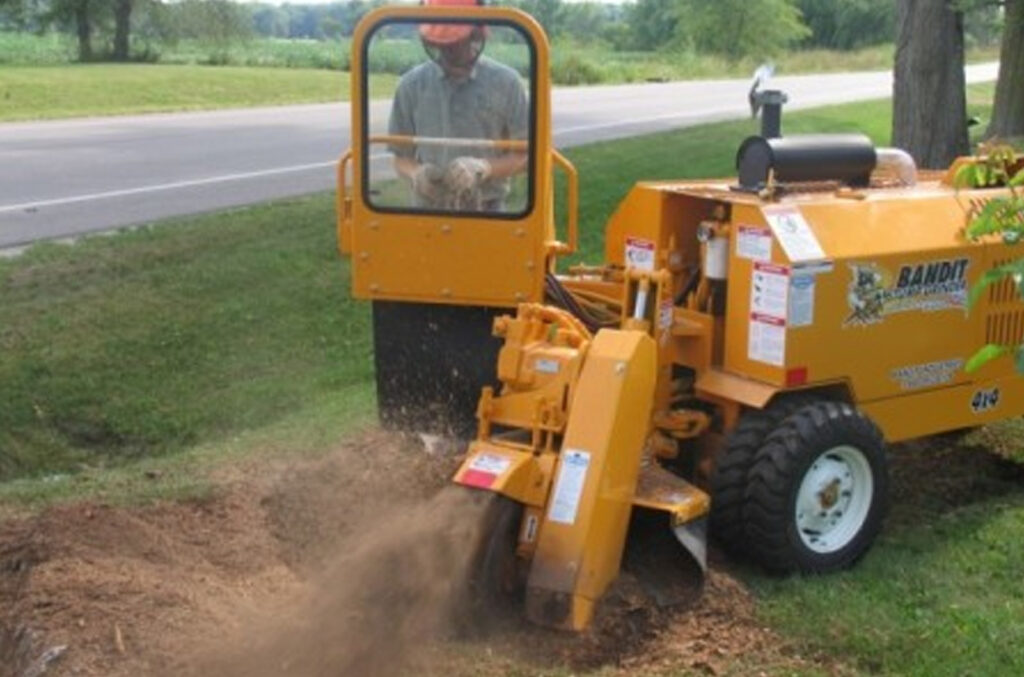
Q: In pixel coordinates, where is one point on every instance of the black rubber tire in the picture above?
(494, 581)
(732, 466)
(769, 511)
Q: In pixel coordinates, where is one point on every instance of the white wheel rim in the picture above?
(834, 499)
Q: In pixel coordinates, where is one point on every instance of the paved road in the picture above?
(62, 178)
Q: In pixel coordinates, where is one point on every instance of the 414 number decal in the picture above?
(984, 400)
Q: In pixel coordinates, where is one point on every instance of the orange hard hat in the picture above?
(447, 34)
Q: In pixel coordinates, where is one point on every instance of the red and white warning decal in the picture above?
(754, 243)
(639, 253)
(769, 290)
(483, 469)
(767, 339)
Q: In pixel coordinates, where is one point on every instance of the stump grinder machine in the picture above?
(736, 364)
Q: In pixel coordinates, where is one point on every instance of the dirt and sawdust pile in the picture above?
(126, 590)
(163, 589)
(344, 564)
(397, 587)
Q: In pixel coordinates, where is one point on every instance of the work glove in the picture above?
(428, 182)
(466, 174)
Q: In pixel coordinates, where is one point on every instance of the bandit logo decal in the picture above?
(927, 287)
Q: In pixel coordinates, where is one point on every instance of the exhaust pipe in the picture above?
(899, 162)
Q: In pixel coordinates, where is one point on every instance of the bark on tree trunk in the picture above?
(122, 28)
(929, 100)
(1008, 111)
(84, 30)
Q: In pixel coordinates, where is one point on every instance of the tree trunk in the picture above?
(1008, 111)
(122, 28)
(929, 117)
(84, 30)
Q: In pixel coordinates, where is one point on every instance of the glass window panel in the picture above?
(450, 118)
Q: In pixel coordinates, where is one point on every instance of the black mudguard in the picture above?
(431, 361)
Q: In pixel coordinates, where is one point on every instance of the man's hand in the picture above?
(466, 173)
(428, 181)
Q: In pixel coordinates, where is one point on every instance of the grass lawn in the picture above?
(169, 350)
(33, 92)
(158, 340)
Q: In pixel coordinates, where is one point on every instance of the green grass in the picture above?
(262, 53)
(307, 430)
(35, 50)
(159, 339)
(30, 92)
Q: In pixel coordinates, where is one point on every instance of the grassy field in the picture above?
(38, 81)
(135, 363)
(34, 92)
(161, 339)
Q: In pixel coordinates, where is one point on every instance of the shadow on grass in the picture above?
(935, 477)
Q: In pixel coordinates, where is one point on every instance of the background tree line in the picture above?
(126, 29)
(930, 38)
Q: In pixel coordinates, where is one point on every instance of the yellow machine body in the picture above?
(573, 422)
(583, 532)
(711, 302)
(879, 315)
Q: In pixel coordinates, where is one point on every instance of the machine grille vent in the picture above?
(1003, 292)
(976, 205)
(1005, 328)
(1005, 323)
